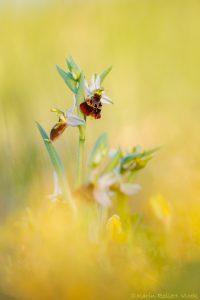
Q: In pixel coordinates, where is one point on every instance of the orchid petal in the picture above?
(74, 121)
(107, 180)
(93, 86)
(106, 101)
(73, 107)
(87, 88)
(106, 97)
(97, 82)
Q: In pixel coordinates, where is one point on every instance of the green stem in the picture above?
(80, 97)
(80, 158)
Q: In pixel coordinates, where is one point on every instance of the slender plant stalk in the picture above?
(80, 158)
(80, 97)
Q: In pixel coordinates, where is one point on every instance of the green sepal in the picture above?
(105, 73)
(137, 160)
(73, 67)
(151, 151)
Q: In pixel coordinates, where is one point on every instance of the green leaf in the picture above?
(99, 151)
(105, 73)
(73, 67)
(68, 79)
(55, 159)
(58, 166)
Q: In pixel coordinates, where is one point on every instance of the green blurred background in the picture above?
(154, 47)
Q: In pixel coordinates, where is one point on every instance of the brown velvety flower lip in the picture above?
(57, 130)
(92, 107)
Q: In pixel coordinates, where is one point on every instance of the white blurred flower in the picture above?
(102, 192)
(110, 183)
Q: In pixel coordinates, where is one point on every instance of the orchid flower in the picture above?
(106, 185)
(96, 87)
(66, 119)
(96, 97)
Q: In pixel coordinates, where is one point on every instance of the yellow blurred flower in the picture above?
(161, 209)
(114, 229)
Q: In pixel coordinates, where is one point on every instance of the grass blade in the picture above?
(58, 166)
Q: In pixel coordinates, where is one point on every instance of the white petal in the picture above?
(106, 97)
(93, 86)
(73, 107)
(74, 121)
(97, 82)
(88, 91)
(102, 197)
(106, 100)
(129, 188)
(107, 180)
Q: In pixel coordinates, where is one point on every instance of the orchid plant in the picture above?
(110, 172)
